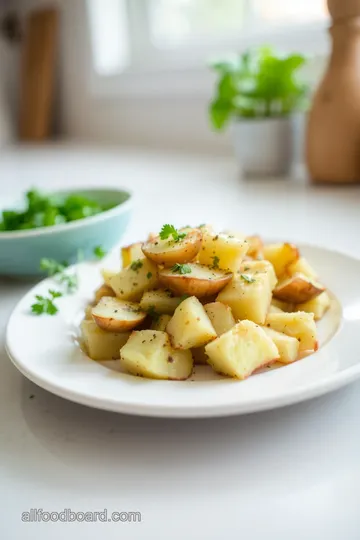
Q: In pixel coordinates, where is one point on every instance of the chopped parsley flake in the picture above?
(247, 278)
(149, 275)
(181, 269)
(136, 265)
(216, 261)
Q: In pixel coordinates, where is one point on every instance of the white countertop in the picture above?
(290, 474)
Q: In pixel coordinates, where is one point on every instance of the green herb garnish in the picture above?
(153, 313)
(48, 210)
(149, 275)
(216, 261)
(247, 278)
(60, 273)
(169, 230)
(99, 252)
(136, 265)
(181, 269)
(46, 304)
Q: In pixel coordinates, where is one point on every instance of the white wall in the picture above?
(168, 122)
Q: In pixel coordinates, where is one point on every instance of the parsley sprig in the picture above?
(181, 269)
(60, 273)
(169, 230)
(46, 304)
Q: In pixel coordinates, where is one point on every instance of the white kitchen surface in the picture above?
(290, 474)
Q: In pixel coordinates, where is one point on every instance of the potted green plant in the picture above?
(257, 92)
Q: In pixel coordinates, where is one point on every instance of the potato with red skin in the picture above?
(116, 315)
(297, 289)
(199, 280)
(167, 252)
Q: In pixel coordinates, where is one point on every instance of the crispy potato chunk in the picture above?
(303, 267)
(168, 252)
(242, 350)
(299, 325)
(297, 289)
(256, 267)
(104, 290)
(161, 323)
(160, 300)
(288, 347)
(222, 251)
(281, 256)
(131, 253)
(221, 317)
(318, 306)
(116, 315)
(134, 280)
(248, 296)
(199, 280)
(190, 325)
(148, 353)
(102, 345)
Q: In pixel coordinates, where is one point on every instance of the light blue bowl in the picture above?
(21, 251)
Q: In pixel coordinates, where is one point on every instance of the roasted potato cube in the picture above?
(303, 267)
(148, 353)
(134, 280)
(116, 315)
(288, 347)
(222, 251)
(190, 325)
(297, 289)
(169, 252)
(241, 351)
(299, 325)
(104, 290)
(161, 301)
(131, 253)
(248, 296)
(255, 247)
(194, 279)
(221, 317)
(107, 275)
(256, 267)
(160, 323)
(281, 256)
(318, 306)
(102, 345)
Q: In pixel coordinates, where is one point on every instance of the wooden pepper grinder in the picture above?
(333, 131)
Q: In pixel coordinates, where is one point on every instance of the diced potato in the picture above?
(302, 266)
(161, 301)
(288, 347)
(221, 317)
(299, 325)
(284, 306)
(104, 290)
(169, 252)
(241, 351)
(131, 253)
(274, 309)
(148, 353)
(190, 325)
(248, 296)
(222, 251)
(102, 345)
(88, 312)
(196, 279)
(116, 315)
(107, 275)
(255, 247)
(281, 256)
(199, 355)
(256, 267)
(134, 280)
(160, 323)
(297, 289)
(318, 306)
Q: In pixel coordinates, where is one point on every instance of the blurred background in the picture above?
(137, 72)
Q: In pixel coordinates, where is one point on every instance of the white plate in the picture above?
(45, 350)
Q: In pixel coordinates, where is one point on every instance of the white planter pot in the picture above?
(263, 146)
